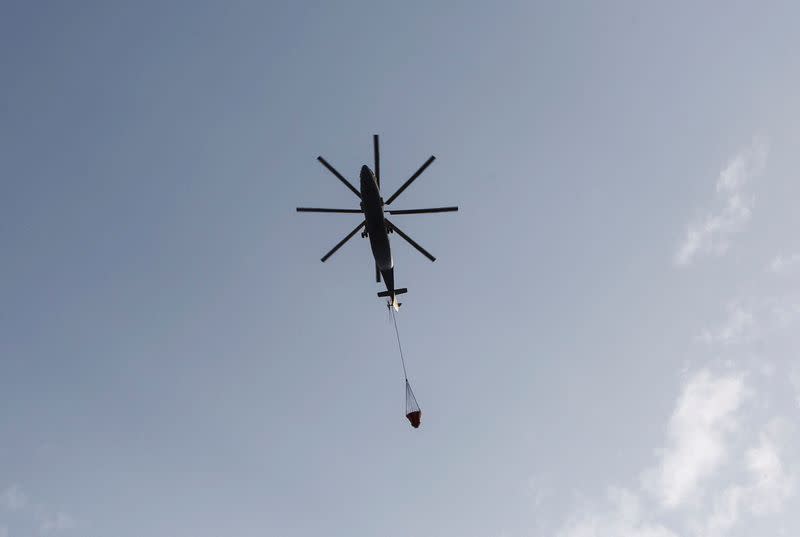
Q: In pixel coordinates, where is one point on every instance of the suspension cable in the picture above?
(399, 346)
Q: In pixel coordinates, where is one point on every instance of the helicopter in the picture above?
(375, 224)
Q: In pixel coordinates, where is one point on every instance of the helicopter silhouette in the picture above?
(375, 224)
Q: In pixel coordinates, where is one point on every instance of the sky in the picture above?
(606, 345)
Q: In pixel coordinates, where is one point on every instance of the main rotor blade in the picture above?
(422, 211)
(322, 210)
(344, 240)
(377, 160)
(410, 241)
(339, 176)
(410, 180)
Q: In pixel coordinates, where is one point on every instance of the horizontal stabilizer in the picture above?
(401, 291)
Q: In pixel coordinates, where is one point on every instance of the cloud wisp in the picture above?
(686, 492)
(57, 522)
(783, 264)
(712, 234)
(13, 499)
(770, 485)
(739, 327)
(751, 319)
(32, 514)
(622, 516)
(705, 415)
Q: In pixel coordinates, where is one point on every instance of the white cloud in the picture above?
(782, 264)
(768, 488)
(538, 491)
(687, 493)
(794, 378)
(739, 327)
(772, 484)
(724, 514)
(58, 522)
(34, 513)
(13, 499)
(623, 516)
(784, 311)
(712, 234)
(755, 319)
(706, 413)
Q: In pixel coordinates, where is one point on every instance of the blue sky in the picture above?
(606, 344)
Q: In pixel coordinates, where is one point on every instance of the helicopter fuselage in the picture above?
(376, 228)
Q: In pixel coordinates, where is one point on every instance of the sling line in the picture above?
(399, 346)
(413, 412)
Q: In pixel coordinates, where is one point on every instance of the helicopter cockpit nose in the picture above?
(366, 173)
(368, 181)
